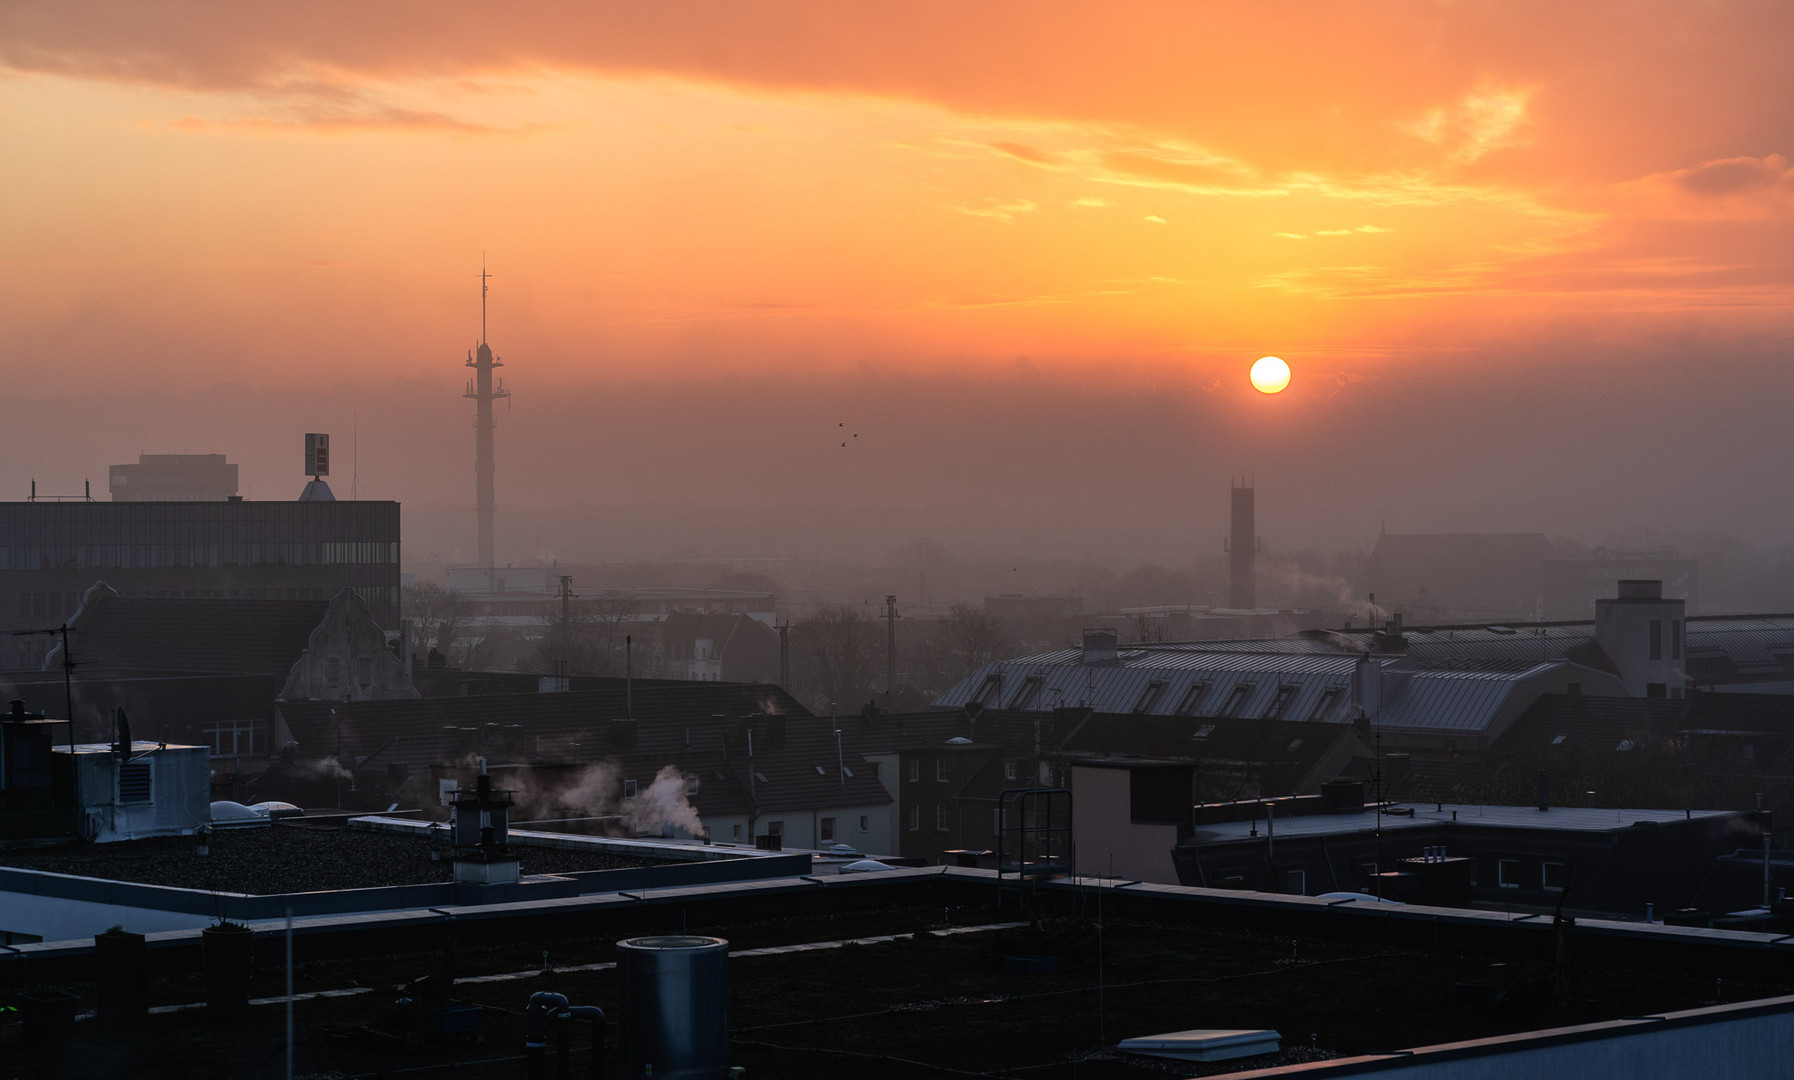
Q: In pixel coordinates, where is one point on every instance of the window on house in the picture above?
(943, 818)
(1149, 696)
(1187, 704)
(1750, 752)
(1507, 873)
(1656, 639)
(991, 683)
(865, 822)
(1324, 707)
(1030, 689)
(691, 785)
(775, 828)
(941, 772)
(1009, 770)
(1558, 740)
(735, 832)
(364, 671)
(915, 770)
(1551, 876)
(825, 830)
(333, 673)
(1280, 702)
(1235, 698)
(847, 771)
(1203, 731)
(134, 782)
(915, 818)
(1625, 744)
(235, 738)
(629, 789)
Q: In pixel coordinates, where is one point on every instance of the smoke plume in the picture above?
(596, 792)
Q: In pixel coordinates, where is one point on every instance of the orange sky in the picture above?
(289, 195)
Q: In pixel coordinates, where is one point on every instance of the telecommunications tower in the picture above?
(483, 393)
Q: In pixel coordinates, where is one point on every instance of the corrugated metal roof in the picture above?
(1251, 686)
(1239, 685)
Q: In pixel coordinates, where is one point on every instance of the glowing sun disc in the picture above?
(1270, 375)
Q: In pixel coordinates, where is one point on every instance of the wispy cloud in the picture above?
(1476, 124)
(1023, 152)
(1735, 188)
(1003, 210)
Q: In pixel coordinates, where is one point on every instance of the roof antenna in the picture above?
(484, 277)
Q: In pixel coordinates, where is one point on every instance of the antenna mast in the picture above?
(481, 389)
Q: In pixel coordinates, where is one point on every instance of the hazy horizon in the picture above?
(1519, 291)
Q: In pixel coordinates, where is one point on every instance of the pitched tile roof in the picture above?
(700, 727)
(167, 635)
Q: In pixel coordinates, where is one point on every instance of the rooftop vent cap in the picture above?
(1102, 645)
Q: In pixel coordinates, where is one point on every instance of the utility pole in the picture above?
(566, 634)
(68, 700)
(890, 646)
(785, 655)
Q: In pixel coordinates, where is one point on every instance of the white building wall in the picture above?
(1108, 840)
(180, 792)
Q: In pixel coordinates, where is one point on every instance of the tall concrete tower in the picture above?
(1242, 548)
(484, 393)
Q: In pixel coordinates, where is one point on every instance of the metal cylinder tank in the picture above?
(673, 1007)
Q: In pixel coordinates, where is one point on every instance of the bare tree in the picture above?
(842, 654)
(974, 637)
(438, 615)
(589, 636)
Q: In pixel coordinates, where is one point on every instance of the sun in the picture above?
(1270, 375)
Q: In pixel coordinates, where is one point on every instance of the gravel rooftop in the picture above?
(283, 858)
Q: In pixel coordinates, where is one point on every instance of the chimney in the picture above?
(1367, 686)
(1642, 634)
(1242, 548)
(1102, 645)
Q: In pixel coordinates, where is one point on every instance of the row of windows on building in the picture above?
(61, 605)
(1509, 874)
(943, 819)
(164, 556)
(943, 770)
(1192, 696)
(827, 829)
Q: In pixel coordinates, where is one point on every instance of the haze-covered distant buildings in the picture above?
(1511, 577)
(174, 478)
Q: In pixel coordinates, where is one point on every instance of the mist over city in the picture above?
(826, 538)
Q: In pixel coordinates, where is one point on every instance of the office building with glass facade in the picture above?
(51, 552)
